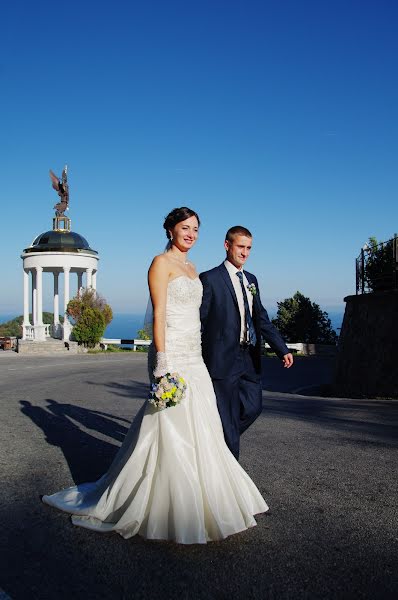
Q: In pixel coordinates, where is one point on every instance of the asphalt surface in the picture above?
(327, 468)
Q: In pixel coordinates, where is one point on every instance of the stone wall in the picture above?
(367, 360)
(50, 346)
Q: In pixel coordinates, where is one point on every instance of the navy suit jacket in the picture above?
(221, 324)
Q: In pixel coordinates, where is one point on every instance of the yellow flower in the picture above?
(173, 389)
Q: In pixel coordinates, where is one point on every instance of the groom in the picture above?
(233, 323)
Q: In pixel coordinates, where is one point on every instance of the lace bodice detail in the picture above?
(184, 290)
(184, 297)
(183, 340)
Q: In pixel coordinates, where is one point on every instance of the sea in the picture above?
(122, 326)
(126, 326)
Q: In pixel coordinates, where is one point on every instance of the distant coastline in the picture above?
(127, 325)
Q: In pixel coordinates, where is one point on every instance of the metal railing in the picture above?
(377, 267)
(135, 343)
(121, 342)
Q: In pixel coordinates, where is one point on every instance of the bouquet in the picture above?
(167, 390)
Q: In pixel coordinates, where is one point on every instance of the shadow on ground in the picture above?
(68, 426)
(374, 421)
(48, 558)
(318, 541)
(307, 372)
(135, 390)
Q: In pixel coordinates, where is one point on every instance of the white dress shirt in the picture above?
(232, 270)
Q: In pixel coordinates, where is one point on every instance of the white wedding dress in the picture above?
(173, 478)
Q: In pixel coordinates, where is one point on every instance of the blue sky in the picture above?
(280, 116)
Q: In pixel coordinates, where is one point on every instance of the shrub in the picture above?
(144, 333)
(89, 298)
(91, 314)
(90, 327)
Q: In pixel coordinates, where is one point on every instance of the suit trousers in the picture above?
(239, 398)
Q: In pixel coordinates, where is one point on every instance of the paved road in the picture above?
(327, 467)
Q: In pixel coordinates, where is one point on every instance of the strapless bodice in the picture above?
(183, 291)
(184, 297)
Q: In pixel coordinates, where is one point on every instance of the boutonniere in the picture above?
(252, 289)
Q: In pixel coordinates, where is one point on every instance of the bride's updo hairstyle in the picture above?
(176, 216)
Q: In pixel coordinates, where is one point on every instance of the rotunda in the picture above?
(59, 251)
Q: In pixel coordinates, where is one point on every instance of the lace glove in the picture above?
(161, 365)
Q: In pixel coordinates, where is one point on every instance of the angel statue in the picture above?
(61, 186)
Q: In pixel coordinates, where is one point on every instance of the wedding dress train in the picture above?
(173, 478)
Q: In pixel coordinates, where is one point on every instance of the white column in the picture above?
(39, 328)
(34, 298)
(39, 300)
(79, 281)
(67, 328)
(89, 273)
(56, 298)
(94, 280)
(26, 321)
(66, 287)
(26, 298)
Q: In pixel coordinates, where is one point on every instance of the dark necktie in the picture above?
(248, 318)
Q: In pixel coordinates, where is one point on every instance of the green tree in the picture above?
(300, 320)
(379, 264)
(90, 327)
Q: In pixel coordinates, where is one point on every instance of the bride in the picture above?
(174, 477)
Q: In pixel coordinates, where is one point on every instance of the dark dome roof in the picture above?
(60, 241)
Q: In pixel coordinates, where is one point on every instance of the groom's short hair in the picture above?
(237, 230)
